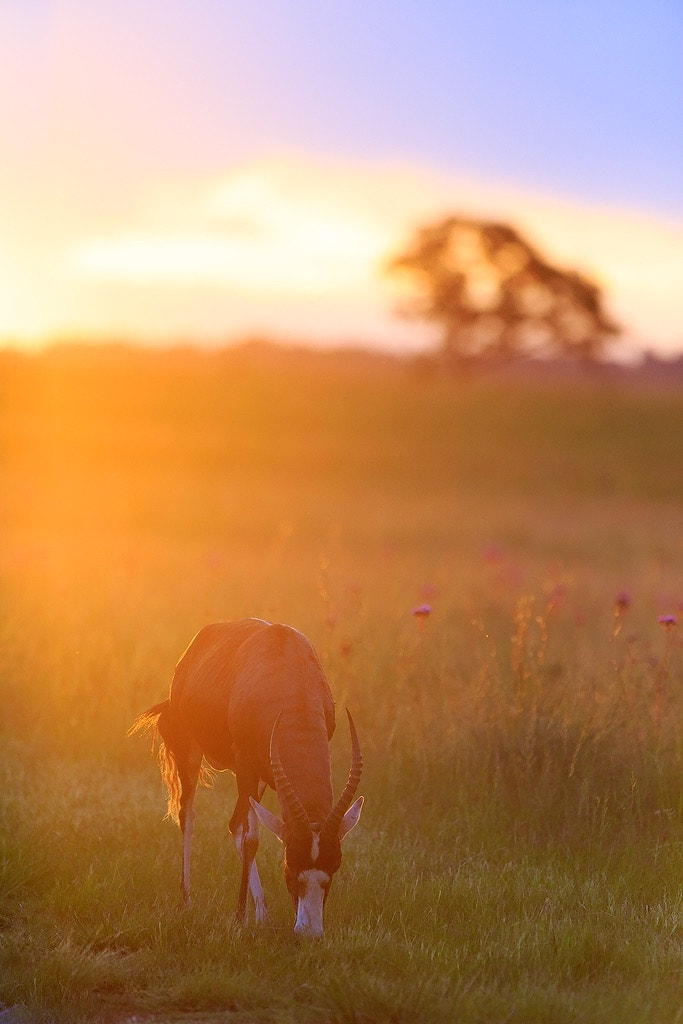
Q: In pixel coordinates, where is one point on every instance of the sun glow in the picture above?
(256, 236)
(293, 246)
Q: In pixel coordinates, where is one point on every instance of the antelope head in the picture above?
(312, 849)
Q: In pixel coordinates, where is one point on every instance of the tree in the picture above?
(496, 297)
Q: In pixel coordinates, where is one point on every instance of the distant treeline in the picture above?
(266, 354)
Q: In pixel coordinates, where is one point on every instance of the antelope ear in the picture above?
(350, 818)
(267, 818)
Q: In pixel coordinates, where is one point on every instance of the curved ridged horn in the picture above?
(292, 808)
(334, 818)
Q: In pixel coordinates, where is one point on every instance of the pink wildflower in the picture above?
(667, 621)
(493, 553)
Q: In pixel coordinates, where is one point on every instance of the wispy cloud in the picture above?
(265, 229)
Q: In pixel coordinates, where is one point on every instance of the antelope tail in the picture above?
(159, 719)
(148, 719)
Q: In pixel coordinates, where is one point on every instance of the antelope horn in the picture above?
(292, 808)
(334, 818)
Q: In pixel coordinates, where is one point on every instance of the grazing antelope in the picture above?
(252, 697)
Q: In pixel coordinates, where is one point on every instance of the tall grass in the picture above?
(519, 856)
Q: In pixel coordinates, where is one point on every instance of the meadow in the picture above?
(520, 856)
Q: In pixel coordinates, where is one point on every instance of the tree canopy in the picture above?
(496, 297)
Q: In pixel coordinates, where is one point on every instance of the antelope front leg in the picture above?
(261, 915)
(247, 845)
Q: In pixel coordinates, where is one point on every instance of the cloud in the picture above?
(266, 229)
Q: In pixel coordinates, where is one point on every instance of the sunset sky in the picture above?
(206, 170)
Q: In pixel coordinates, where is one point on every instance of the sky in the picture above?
(203, 170)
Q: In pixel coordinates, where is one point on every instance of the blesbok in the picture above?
(252, 697)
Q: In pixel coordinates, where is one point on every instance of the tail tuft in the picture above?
(159, 719)
(148, 719)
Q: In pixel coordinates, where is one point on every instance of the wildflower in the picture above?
(556, 596)
(345, 649)
(622, 602)
(667, 621)
(493, 553)
(422, 611)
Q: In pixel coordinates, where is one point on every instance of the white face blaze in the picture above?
(315, 847)
(309, 909)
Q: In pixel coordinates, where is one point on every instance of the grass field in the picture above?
(520, 854)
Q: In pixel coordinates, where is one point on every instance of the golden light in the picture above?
(257, 235)
(292, 246)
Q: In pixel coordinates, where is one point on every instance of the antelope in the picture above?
(251, 697)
